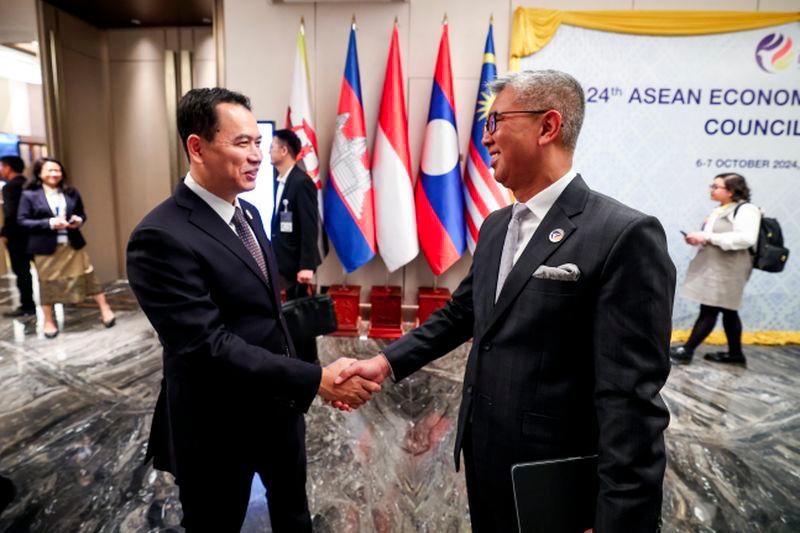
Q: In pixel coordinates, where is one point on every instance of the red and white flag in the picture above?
(391, 170)
(299, 118)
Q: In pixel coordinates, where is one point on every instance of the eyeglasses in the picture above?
(495, 116)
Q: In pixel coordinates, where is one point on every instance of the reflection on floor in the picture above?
(75, 413)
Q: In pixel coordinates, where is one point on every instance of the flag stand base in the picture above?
(345, 302)
(386, 317)
(431, 299)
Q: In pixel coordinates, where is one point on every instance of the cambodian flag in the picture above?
(482, 194)
(439, 196)
(349, 208)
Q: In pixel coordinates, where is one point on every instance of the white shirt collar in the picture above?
(221, 207)
(541, 202)
(283, 177)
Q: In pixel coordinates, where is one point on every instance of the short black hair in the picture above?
(197, 111)
(290, 140)
(36, 174)
(15, 162)
(736, 185)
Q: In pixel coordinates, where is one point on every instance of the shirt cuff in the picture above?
(391, 370)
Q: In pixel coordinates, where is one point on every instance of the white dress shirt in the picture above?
(281, 184)
(744, 235)
(538, 207)
(221, 207)
(58, 205)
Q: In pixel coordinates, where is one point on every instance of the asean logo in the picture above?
(775, 52)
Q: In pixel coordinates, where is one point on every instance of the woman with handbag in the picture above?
(718, 273)
(53, 213)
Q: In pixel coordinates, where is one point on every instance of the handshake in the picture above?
(348, 384)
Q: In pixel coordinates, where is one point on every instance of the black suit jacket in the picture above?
(566, 368)
(297, 250)
(12, 193)
(226, 369)
(34, 215)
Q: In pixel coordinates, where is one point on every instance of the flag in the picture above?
(439, 195)
(482, 194)
(349, 209)
(396, 224)
(299, 119)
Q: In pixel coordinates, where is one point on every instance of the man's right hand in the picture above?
(374, 369)
(346, 396)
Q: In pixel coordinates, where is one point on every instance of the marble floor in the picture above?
(75, 413)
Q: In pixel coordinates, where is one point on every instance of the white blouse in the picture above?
(745, 228)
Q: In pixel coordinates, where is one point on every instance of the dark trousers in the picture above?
(306, 347)
(21, 265)
(215, 496)
(489, 491)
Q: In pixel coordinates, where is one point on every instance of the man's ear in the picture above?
(195, 148)
(550, 128)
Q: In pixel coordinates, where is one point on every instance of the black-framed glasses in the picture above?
(495, 116)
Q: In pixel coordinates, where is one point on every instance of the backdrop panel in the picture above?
(666, 114)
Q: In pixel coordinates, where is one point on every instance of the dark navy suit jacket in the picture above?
(34, 214)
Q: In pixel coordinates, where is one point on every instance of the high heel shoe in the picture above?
(110, 323)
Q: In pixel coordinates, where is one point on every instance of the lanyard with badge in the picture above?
(285, 217)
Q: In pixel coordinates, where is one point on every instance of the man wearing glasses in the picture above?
(569, 304)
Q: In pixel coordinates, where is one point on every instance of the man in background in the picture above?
(295, 224)
(14, 235)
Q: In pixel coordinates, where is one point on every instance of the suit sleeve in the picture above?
(169, 285)
(445, 330)
(25, 215)
(308, 216)
(631, 338)
(11, 196)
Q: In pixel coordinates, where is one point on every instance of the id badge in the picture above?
(286, 221)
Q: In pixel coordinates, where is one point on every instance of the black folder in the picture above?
(557, 496)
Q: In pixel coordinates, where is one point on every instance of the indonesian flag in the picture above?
(396, 224)
(299, 120)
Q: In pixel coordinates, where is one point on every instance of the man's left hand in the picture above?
(305, 276)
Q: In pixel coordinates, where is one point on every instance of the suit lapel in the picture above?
(495, 239)
(257, 226)
(208, 221)
(43, 201)
(539, 248)
(69, 200)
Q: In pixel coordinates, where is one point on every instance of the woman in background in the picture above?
(718, 273)
(52, 212)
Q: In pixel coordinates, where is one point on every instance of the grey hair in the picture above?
(549, 89)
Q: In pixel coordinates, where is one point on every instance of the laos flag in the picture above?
(349, 208)
(439, 196)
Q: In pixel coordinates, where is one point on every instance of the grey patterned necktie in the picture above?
(510, 246)
(249, 241)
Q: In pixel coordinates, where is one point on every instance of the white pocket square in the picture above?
(565, 272)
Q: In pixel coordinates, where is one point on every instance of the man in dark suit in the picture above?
(14, 235)
(295, 224)
(569, 303)
(234, 392)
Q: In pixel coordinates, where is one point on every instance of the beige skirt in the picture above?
(66, 276)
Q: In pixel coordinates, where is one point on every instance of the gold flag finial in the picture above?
(302, 25)
(444, 20)
(353, 20)
(491, 18)
(395, 20)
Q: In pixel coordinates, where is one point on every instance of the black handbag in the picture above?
(310, 316)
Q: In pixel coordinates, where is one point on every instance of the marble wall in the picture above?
(75, 414)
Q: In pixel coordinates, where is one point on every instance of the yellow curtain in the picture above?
(764, 338)
(533, 28)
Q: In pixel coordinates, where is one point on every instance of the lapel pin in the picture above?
(556, 235)
(247, 212)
